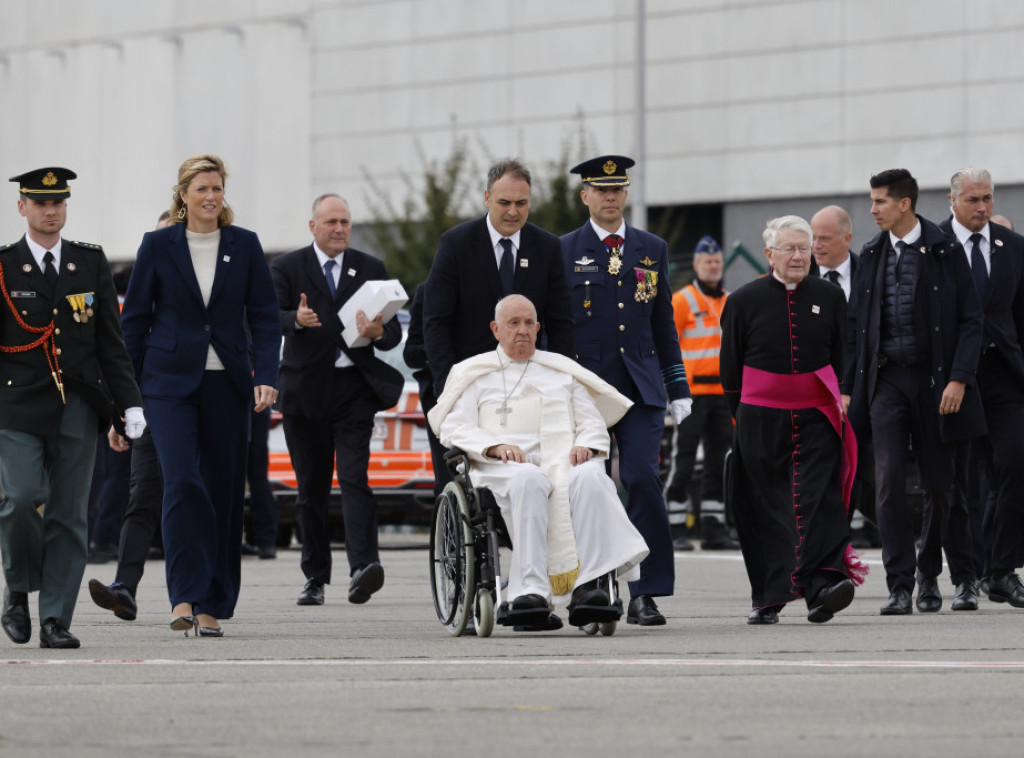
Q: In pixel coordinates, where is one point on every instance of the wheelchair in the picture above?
(467, 533)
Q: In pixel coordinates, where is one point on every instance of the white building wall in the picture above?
(751, 103)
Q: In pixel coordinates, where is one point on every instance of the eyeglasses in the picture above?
(790, 249)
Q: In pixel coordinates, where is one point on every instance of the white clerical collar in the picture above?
(964, 234)
(788, 285)
(910, 238)
(38, 251)
(497, 236)
(323, 257)
(602, 233)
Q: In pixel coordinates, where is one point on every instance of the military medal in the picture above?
(89, 297)
(646, 285)
(81, 310)
(614, 261)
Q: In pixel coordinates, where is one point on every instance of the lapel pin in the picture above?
(524, 263)
(227, 259)
(999, 243)
(27, 268)
(815, 309)
(351, 272)
(71, 266)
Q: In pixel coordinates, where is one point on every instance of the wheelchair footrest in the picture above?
(582, 615)
(508, 616)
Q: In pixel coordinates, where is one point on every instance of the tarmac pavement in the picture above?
(385, 679)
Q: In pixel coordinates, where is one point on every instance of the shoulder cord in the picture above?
(45, 336)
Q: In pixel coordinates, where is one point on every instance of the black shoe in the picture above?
(966, 597)
(116, 598)
(830, 601)
(312, 593)
(758, 616)
(644, 611)
(99, 554)
(365, 582)
(15, 618)
(249, 550)
(1006, 589)
(929, 598)
(266, 553)
(899, 603)
(52, 634)
(551, 624)
(984, 584)
(682, 544)
(591, 605)
(211, 631)
(714, 536)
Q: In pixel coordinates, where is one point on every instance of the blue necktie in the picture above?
(901, 246)
(505, 268)
(329, 273)
(833, 276)
(978, 267)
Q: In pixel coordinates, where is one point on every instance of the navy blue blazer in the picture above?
(618, 337)
(168, 329)
(307, 364)
(1003, 306)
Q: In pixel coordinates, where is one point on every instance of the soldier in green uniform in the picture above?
(62, 359)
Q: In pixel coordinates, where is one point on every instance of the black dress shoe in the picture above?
(643, 611)
(312, 593)
(682, 544)
(966, 597)
(1006, 589)
(590, 605)
(115, 597)
(714, 535)
(52, 634)
(929, 598)
(768, 615)
(365, 582)
(899, 603)
(266, 553)
(830, 601)
(15, 618)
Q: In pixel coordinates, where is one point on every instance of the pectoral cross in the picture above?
(503, 410)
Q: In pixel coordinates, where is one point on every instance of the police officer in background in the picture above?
(618, 283)
(60, 333)
(698, 315)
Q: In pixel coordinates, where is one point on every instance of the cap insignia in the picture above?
(609, 167)
(49, 180)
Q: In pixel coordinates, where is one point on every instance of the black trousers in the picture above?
(904, 413)
(262, 506)
(142, 516)
(343, 435)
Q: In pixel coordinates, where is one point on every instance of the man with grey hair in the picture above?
(996, 257)
(329, 395)
(783, 341)
(915, 335)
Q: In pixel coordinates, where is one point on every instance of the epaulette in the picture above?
(8, 245)
(88, 245)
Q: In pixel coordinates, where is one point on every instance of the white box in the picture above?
(376, 296)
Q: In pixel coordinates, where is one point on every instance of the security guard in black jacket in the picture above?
(60, 337)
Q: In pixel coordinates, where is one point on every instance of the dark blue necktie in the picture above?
(833, 276)
(978, 266)
(901, 246)
(329, 273)
(50, 271)
(505, 268)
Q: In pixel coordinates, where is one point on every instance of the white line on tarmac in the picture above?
(548, 662)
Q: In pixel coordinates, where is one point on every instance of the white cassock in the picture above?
(566, 522)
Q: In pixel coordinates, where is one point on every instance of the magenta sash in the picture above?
(818, 389)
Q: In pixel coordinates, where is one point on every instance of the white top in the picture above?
(203, 250)
(38, 251)
(496, 238)
(342, 361)
(845, 274)
(602, 233)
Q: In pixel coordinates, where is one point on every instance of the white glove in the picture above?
(134, 423)
(681, 409)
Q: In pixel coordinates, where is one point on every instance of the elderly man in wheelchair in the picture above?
(533, 427)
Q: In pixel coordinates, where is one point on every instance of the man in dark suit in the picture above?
(914, 337)
(479, 262)
(626, 334)
(60, 334)
(996, 257)
(835, 261)
(329, 395)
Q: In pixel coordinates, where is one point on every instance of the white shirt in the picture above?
(496, 238)
(343, 360)
(602, 233)
(912, 236)
(964, 235)
(203, 248)
(38, 251)
(845, 275)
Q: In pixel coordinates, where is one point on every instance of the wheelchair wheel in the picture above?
(483, 613)
(589, 629)
(452, 565)
(607, 628)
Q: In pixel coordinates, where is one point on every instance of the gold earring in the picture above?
(181, 213)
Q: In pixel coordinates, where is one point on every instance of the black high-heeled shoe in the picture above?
(211, 631)
(184, 623)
